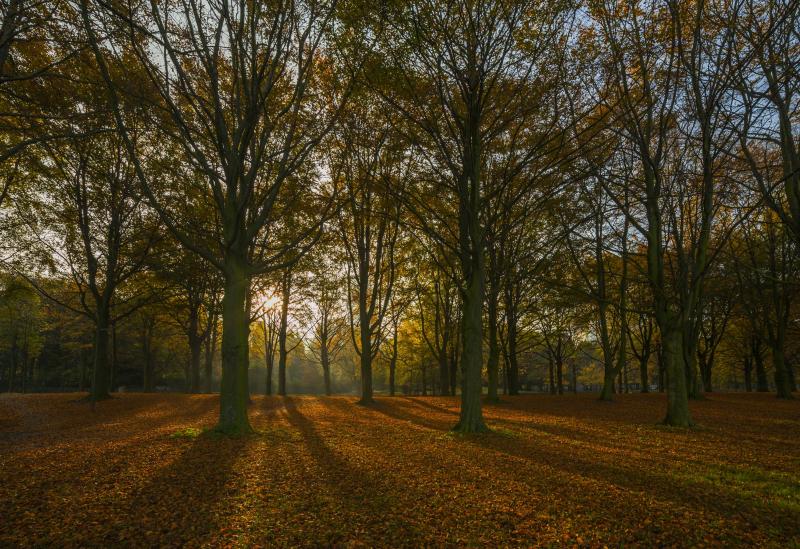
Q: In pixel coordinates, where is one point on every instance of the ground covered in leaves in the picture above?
(141, 471)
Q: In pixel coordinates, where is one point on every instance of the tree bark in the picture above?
(393, 365)
(234, 392)
(705, 363)
(326, 371)
(493, 361)
(471, 415)
(513, 361)
(100, 376)
(210, 349)
(454, 367)
(782, 386)
(748, 374)
(286, 289)
(560, 375)
(195, 350)
(643, 373)
(675, 368)
(366, 360)
(608, 383)
(761, 372)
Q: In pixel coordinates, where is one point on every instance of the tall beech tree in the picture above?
(245, 96)
(368, 161)
(641, 72)
(458, 71)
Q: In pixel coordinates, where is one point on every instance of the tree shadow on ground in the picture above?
(361, 500)
(183, 501)
(580, 454)
(401, 412)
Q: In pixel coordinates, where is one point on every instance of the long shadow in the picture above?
(179, 503)
(681, 491)
(404, 413)
(400, 413)
(183, 501)
(336, 471)
(570, 461)
(710, 497)
(362, 496)
(56, 425)
(426, 404)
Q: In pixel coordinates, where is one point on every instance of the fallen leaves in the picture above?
(568, 470)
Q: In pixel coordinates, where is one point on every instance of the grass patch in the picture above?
(187, 433)
(503, 432)
(779, 488)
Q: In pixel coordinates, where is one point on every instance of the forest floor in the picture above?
(141, 471)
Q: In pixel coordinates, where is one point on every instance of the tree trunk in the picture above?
(694, 383)
(471, 415)
(444, 373)
(705, 370)
(608, 383)
(326, 375)
(270, 375)
(100, 376)
(195, 349)
(513, 362)
(748, 374)
(454, 368)
(493, 361)
(210, 349)
(424, 371)
(268, 358)
(551, 369)
(82, 380)
(643, 373)
(622, 366)
(782, 387)
(393, 365)
(675, 369)
(286, 288)
(325, 362)
(234, 391)
(560, 375)
(366, 361)
(762, 385)
(113, 368)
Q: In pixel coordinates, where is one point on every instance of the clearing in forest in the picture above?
(141, 471)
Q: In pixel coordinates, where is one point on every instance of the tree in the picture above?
(436, 300)
(90, 221)
(458, 73)
(192, 282)
(369, 161)
(20, 332)
(245, 95)
(765, 260)
(326, 313)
